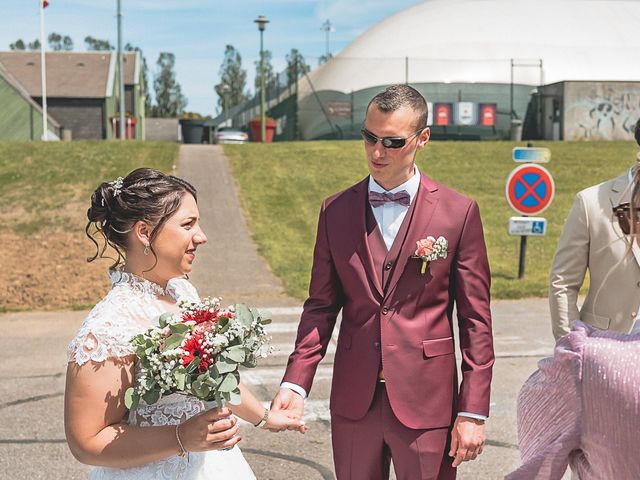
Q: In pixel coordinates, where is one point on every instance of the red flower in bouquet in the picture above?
(200, 316)
(193, 349)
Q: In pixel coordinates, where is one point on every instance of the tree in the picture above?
(17, 45)
(324, 58)
(169, 99)
(233, 76)
(35, 45)
(270, 78)
(145, 76)
(296, 66)
(59, 43)
(96, 44)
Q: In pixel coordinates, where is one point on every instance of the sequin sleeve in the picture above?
(549, 412)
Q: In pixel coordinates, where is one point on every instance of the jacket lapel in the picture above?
(620, 193)
(426, 202)
(357, 214)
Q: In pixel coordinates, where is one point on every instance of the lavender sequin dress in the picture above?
(582, 408)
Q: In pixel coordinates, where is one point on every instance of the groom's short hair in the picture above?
(397, 96)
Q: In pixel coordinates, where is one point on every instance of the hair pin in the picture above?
(117, 186)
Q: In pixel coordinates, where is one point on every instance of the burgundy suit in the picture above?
(395, 318)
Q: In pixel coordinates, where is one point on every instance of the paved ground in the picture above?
(32, 444)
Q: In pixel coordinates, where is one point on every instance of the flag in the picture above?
(45, 3)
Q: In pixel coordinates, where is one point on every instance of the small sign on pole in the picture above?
(529, 191)
(531, 155)
(528, 226)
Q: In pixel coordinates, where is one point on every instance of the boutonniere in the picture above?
(431, 249)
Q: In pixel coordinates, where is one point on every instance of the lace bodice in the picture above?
(130, 307)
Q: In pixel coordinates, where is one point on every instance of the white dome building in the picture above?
(470, 53)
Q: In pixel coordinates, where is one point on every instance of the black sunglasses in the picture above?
(387, 142)
(623, 212)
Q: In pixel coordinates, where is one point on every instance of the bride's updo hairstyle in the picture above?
(145, 195)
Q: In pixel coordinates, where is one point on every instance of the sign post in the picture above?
(529, 191)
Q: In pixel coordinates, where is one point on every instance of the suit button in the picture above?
(389, 265)
(385, 310)
(377, 345)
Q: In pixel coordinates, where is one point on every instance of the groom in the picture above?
(395, 388)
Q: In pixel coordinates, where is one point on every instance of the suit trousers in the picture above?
(363, 449)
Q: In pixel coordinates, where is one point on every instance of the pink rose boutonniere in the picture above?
(429, 249)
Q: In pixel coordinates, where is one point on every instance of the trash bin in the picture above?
(192, 131)
(256, 127)
(129, 127)
(516, 130)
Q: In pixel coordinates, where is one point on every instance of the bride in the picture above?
(151, 220)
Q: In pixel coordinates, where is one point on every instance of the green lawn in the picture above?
(42, 185)
(282, 185)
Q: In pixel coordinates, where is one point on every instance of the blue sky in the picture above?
(197, 31)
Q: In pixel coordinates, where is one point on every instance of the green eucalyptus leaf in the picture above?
(181, 377)
(180, 328)
(236, 353)
(173, 341)
(151, 397)
(131, 398)
(234, 397)
(229, 383)
(224, 367)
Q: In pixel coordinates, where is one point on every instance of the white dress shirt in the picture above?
(389, 217)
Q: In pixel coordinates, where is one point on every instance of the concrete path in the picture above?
(32, 442)
(228, 266)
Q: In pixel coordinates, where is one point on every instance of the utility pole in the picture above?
(121, 67)
(327, 28)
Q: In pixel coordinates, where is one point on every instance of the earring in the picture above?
(146, 249)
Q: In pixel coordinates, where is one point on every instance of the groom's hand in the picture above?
(467, 439)
(287, 399)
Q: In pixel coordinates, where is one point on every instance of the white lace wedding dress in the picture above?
(129, 308)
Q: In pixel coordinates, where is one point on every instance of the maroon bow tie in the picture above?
(402, 198)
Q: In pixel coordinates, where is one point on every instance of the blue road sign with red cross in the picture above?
(530, 189)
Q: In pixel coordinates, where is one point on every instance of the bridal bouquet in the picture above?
(198, 352)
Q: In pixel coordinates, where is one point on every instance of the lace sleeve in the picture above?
(103, 335)
(182, 289)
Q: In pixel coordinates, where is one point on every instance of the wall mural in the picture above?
(601, 110)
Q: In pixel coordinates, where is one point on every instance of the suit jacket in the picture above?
(592, 240)
(407, 328)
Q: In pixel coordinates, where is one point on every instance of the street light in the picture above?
(262, 22)
(226, 89)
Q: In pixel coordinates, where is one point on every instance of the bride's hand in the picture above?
(280, 420)
(209, 430)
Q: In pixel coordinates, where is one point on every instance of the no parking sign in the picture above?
(530, 189)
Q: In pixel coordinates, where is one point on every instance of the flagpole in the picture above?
(121, 69)
(43, 68)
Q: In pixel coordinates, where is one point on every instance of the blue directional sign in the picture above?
(531, 155)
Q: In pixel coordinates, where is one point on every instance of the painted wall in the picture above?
(19, 118)
(600, 110)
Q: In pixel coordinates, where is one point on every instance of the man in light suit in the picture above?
(593, 240)
(395, 389)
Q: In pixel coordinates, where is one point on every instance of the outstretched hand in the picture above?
(467, 439)
(280, 420)
(289, 402)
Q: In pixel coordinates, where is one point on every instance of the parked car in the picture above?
(230, 135)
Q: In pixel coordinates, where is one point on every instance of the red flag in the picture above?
(45, 3)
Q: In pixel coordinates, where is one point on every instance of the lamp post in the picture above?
(262, 22)
(226, 89)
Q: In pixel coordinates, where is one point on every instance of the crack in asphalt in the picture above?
(35, 398)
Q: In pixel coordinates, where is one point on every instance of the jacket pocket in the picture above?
(595, 320)
(437, 347)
